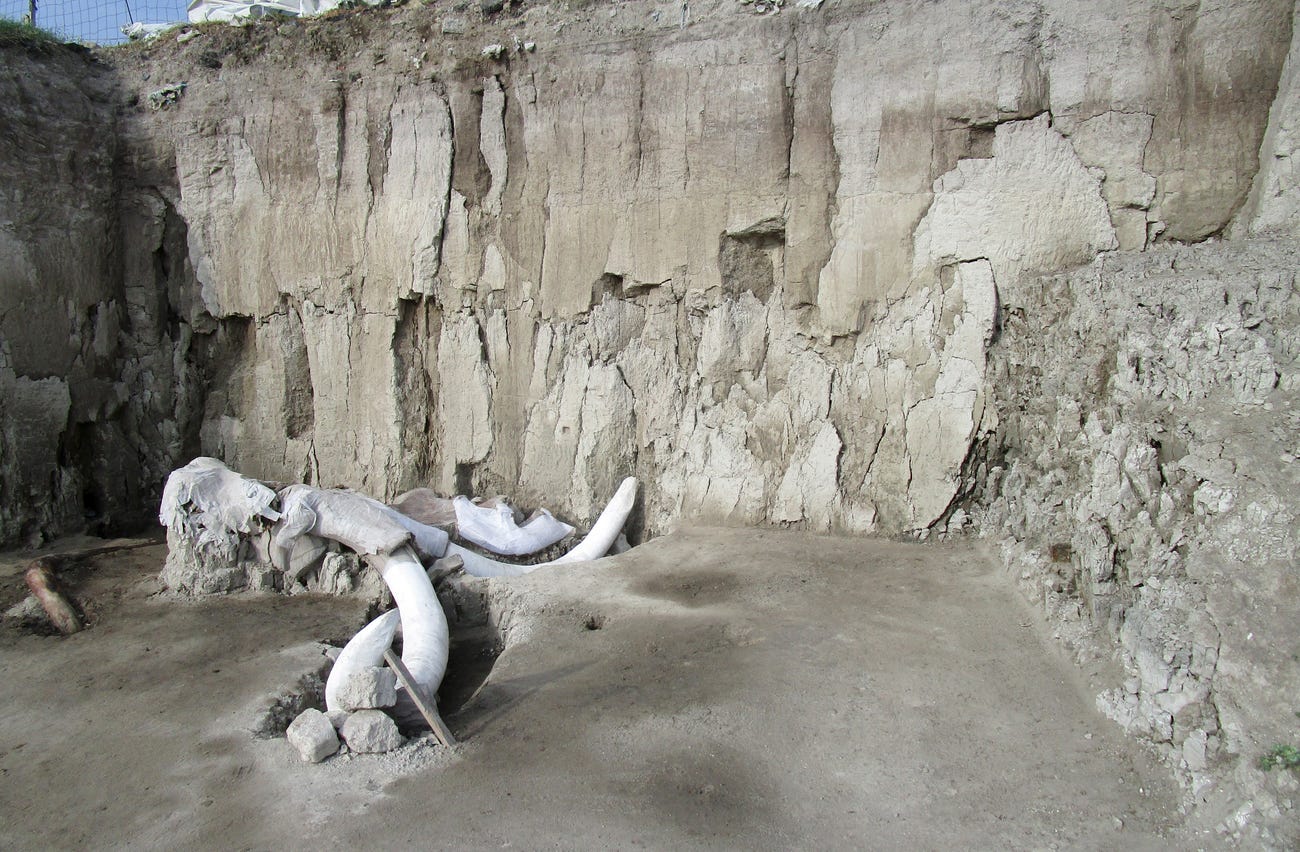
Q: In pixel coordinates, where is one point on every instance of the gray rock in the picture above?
(371, 732)
(28, 607)
(338, 573)
(369, 688)
(313, 736)
(337, 718)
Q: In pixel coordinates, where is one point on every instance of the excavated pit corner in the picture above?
(478, 619)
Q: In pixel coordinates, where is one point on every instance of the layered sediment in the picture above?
(895, 268)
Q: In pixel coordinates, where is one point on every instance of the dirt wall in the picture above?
(93, 357)
(754, 259)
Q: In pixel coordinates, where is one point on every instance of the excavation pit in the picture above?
(841, 692)
(1042, 289)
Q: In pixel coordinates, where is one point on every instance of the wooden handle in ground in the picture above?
(426, 706)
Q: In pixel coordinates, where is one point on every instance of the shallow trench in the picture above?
(477, 640)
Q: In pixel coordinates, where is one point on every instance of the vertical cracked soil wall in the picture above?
(755, 261)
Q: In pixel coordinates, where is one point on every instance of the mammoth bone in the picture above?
(492, 524)
(213, 506)
(424, 625)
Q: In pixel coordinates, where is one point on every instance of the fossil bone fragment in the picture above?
(491, 524)
(595, 545)
(494, 528)
(377, 533)
(349, 518)
(44, 585)
(428, 660)
(355, 520)
(205, 498)
(425, 506)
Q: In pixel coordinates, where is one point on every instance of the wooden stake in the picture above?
(427, 708)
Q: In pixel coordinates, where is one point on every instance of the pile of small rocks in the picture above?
(361, 721)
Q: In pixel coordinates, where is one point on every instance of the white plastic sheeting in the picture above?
(221, 503)
(493, 528)
(234, 11)
(345, 516)
(242, 10)
(430, 541)
(355, 520)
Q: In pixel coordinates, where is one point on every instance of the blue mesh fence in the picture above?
(98, 21)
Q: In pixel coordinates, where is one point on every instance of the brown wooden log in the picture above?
(44, 584)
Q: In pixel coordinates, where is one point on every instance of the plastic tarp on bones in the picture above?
(221, 503)
(244, 10)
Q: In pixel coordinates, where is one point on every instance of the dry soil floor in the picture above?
(712, 689)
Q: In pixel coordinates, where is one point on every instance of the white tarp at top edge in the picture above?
(244, 10)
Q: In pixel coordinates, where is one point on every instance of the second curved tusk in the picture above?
(364, 650)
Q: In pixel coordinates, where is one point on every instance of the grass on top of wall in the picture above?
(21, 34)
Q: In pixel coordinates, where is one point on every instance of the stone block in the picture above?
(369, 688)
(371, 732)
(313, 735)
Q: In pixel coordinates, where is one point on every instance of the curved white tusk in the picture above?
(366, 526)
(596, 544)
(364, 650)
(425, 640)
(607, 526)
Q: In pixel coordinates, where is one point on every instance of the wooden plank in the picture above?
(427, 708)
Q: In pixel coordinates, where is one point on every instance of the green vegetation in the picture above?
(19, 33)
(1280, 757)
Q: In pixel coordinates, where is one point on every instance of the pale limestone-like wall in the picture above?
(1147, 494)
(738, 259)
(763, 263)
(1273, 206)
(727, 257)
